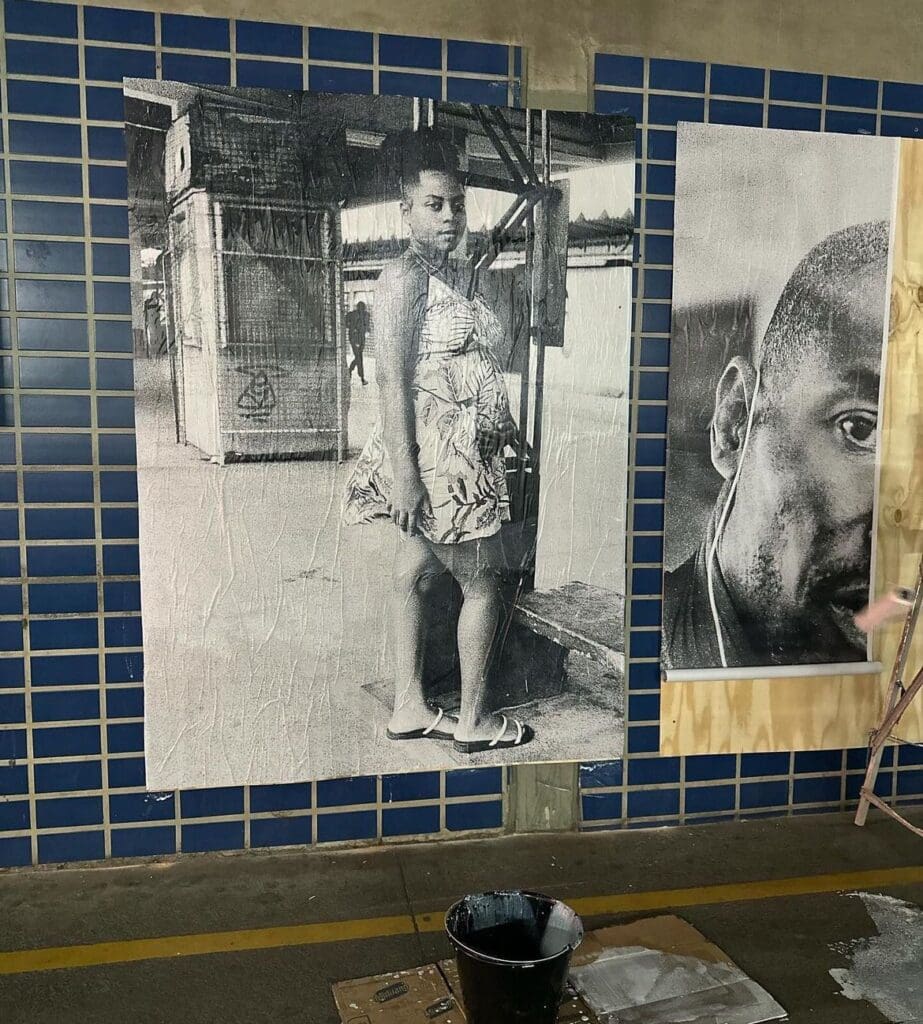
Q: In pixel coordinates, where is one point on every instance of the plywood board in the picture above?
(840, 711)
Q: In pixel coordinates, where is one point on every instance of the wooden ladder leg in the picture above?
(895, 691)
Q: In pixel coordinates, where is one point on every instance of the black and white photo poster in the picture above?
(782, 243)
(381, 371)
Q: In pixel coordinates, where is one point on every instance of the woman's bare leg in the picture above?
(416, 570)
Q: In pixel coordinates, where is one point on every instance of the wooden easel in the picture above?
(898, 700)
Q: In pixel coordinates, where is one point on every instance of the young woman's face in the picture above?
(434, 210)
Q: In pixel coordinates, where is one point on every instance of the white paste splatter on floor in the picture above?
(887, 969)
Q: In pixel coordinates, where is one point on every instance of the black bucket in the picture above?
(513, 951)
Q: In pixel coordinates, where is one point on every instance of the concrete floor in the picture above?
(787, 943)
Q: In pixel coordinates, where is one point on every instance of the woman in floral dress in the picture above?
(434, 463)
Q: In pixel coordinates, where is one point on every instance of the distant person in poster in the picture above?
(357, 329)
(434, 464)
(784, 565)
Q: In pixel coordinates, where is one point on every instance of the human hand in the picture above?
(409, 502)
(493, 438)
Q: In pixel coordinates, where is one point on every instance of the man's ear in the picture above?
(735, 391)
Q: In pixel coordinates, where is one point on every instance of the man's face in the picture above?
(797, 558)
(434, 210)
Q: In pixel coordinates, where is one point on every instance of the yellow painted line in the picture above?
(132, 950)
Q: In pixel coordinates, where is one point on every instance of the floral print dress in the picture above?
(457, 386)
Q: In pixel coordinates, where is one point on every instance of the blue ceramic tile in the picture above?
(902, 97)
(903, 127)
(857, 758)
(47, 296)
(54, 372)
(42, 178)
(68, 776)
(106, 143)
(661, 144)
(12, 709)
(116, 375)
(122, 596)
(655, 352)
(125, 807)
(66, 812)
(645, 707)
(65, 669)
(106, 64)
(795, 86)
(653, 385)
(293, 796)
(64, 705)
(190, 32)
(14, 779)
(111, 411)
(143, 842)
(125, 772)
(705, 767)
(730, 80)
(612, 69)
(646, 581)
(17, 851)
(471, 90)
(644, 644)
(849, 122)
(108, 182)
(409, 821)
(12, 743)
(56, 411)
(38, 218)
(7, 447)
(125, 703)
(815, 791)
(203, 803)
(343, 792)
(643, 739)
(113, 336)
(818, 761)
(676, 75)
(654, 770)
(295, 831)
(8, 489)
(109, 221)
(653, 803)
(764, 764)
(14, 815)
(63, 633)
(671, 109)
(658, 214)
(910, 783)
(125, 738)
(45, 138)
(601, 774)
(55, 848)
(218, 835)
(334, 828)
(60, 524)
(646, 613)
(111, 298)
(796, 118)
(852, 92)
(9, 525)
(409, 51)
(412, 786)
(611, 102)
(52, 598)
(652, 419)
(111, 260)
(702, 799)
(883, 787)
(118, 486)
(182, 67)
(50, 60)
(484, 814)
(480, 58)
(731, 112)
(105, 104)
(763, 794)
(269, 40)
(123, 632)
(39, 257)
(473, 782)
(908, 755)
(61, 560)
(517, 61)
(10, 636)
(395, 83)
(339, 45)
(124, 667)
(25, 17)
(661, 179)
(264, 74)
(647, 549)
(46, 98)
(658, 284)
(115, 25)
(120, 559)
(326, 79)
(12, 674)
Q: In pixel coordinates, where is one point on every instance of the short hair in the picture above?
(409, 153)
(815, 298)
